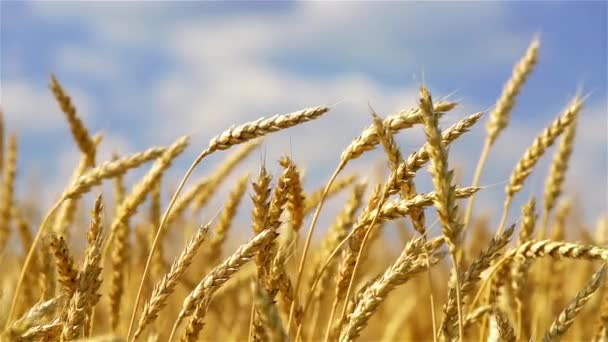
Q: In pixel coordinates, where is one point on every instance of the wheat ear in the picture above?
(296, 197)
(42, 332)
(225, 221)
(203, 292)
(36, 315)
(408, 264)
(534, 249)
(499, 119)
(120, 254)
(272, 222)
(500, 116)
(418, 159)
(468, 280)
(67, 273)
(86, 295)
(520, 268)
(165, 287)
(261, 200)
(442, 181)
(119, 259)
(567, 316)
(408, 190)
(393, 123)
(540, 144)
(395, 159)
(557, 174)
(8, 188)
(506, 332)
(1, 138)
(79, 131)
(110, 169)
(268, 313)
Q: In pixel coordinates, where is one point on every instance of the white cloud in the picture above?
(31, 108)
(87, 61)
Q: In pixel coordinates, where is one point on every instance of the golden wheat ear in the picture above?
(196, 304)
(8, 189)
(565, 319)
(166, 286)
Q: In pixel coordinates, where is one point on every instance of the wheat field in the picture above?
(135, 268)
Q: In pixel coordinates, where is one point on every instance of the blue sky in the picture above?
(147, 72)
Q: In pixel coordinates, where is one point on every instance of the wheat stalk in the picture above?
(219, 175)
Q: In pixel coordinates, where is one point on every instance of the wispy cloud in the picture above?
(153, 71)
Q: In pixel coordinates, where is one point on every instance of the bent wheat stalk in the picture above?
(231, 137)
